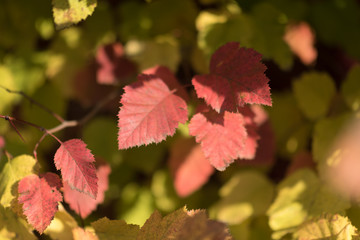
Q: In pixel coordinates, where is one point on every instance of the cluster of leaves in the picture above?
(293, 172)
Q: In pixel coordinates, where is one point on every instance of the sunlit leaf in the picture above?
(40, 197)
(69, 12)
(14, 170)
(302, 196)
(150, 111)
(327, 226)
(77, 168)
(246, 194)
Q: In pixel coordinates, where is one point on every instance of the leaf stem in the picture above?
(33, 101)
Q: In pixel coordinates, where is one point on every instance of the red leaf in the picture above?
(83, 204)
(40, 198)
(265, 151)
(77, 168)
(236, 78)
(149, 112)
(113, 65)
(169, 78)
(222, 136)
(189, 167)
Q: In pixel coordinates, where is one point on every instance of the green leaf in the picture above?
(162, 188)
(11, 172)
(138, 204)
(107, 129)
(327, 226)
(287, 122)
(261, 29)
(314, 92)
(69, 12)
(14, 227)
(107, 229)
(246, 194)
(268, 36)
(148, 20)
(302, 196)
(7, 81)
(61, 226)
(321, 16)
(350, 88)
(324, 135)
(163, 50)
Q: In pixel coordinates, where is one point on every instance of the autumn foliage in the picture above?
(181, 119)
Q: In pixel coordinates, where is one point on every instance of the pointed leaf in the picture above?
(183, 224)
(77, 168)
(327, 226)
(222, 136)
(115, 229)
(236, 78)
(82, 203)
(69, 12)
(149, 112)
(302, 196)
(189, 166)
(40, 198)
(14, 170)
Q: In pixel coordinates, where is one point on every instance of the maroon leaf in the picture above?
(77, 168)
(189, 167)
(222, 136)
(40, 198)
(113, 66)
(82, 203)
(251, 142)
(169, 78)
(265, 151)
(149, 112)
(236, 78)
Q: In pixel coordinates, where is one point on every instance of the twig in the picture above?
(64, 123)
(55, 115)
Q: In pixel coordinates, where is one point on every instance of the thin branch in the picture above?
(64, 123)
(55, 115)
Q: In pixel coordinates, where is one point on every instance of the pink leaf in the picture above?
(2, 142)
(83, 204)
(149, 112)
(222, 136)
(40, 198)
(77, 168)
(189, 167)
(112, 64)
(169, 78)
(301, 39)
(236, 78)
